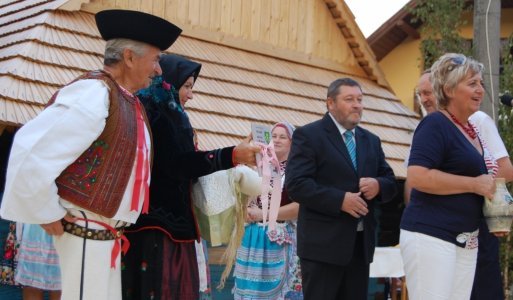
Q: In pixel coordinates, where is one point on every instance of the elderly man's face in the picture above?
(425, 94)
(347, 106)
(145, 67)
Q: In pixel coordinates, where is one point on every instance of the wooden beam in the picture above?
(408, 29)
(340, 22)
(330, 3)
(363, 62)
(346, 32)
(335, 12)
(352, 42)
(357, 52)
(368, 70)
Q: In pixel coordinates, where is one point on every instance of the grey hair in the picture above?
(448, 71)
(114, 50)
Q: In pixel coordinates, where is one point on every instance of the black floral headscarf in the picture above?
(163, 90)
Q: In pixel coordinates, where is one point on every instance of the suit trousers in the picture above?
(333, 282)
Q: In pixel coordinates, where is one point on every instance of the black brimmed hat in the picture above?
(138, 26)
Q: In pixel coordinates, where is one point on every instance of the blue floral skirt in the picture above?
(266, 269)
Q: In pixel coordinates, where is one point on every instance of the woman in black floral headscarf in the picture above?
(162, 261)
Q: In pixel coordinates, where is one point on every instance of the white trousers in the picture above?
(101, 282)
(436, 269)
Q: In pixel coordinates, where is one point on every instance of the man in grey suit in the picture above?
(337, 171)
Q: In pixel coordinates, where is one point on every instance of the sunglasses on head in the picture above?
(457, 61)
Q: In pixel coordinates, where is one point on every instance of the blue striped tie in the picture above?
(351, 146)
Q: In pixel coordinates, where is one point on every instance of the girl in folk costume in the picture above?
(267, 266)
(162, 262)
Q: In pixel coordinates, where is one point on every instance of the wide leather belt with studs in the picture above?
(92, 234)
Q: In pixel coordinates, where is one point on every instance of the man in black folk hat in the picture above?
(81, 168)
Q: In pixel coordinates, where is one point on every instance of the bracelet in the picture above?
(234, 163)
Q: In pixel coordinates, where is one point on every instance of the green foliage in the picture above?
(505, 124)
(440, 22)
(506, 79)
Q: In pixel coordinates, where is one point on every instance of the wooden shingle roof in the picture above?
(43, 47)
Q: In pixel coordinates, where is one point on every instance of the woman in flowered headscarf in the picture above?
(267, 266)
(162, 262)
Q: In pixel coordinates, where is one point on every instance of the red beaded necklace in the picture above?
(469, 129)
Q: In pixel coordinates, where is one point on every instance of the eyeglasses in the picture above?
(457, 61)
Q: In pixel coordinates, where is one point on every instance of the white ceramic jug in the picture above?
(498, 211)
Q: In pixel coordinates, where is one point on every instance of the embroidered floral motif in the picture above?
(83, 173)
(161, 91)
(166, 86)
(469, 239)
(294, 282)
(279, 235)
(296, 276)
(10, 258)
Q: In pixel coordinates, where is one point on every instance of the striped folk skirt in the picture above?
(267, 268)
(38, 262)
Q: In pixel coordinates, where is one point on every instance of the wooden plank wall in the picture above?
(304, 26)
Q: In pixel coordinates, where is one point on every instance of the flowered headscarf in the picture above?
(289, 128)
(163, 90)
